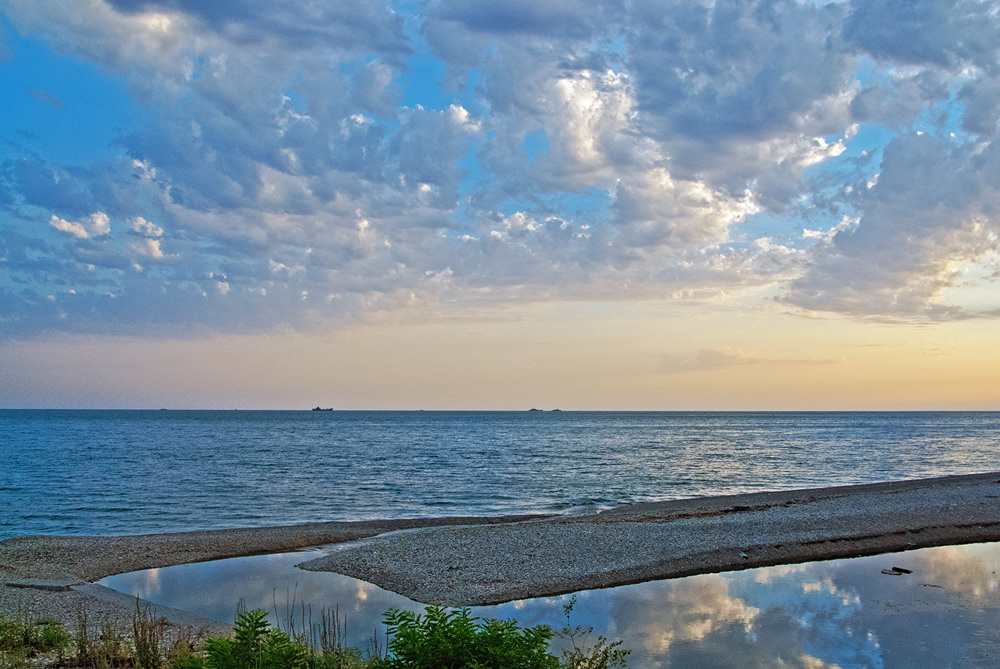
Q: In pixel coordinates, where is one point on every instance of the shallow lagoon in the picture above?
(841, 612)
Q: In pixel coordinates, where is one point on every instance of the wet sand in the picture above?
(468, 561)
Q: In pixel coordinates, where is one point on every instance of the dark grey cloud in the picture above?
(335, 24)
(573, 19)
(737, 68)
(982, 106)
(42, 185)
(715, 84)
(946, 33)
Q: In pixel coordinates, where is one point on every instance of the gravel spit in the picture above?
(473, 561)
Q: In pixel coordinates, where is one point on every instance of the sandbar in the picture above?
(472, 561)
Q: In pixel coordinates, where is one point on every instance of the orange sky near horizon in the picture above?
(567, 355)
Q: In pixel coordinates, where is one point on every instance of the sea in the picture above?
(108, 472)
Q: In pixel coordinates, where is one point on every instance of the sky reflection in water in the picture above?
(841, 612)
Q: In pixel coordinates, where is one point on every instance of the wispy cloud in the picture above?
(47, 98)
(712, 359)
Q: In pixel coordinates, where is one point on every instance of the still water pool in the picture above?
(844, 613)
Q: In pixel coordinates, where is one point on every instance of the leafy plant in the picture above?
(438, 638)
(32, 636)
(23, 640)
(255, 646)
(50, 635)
(443, 639)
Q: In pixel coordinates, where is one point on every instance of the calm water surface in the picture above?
(124, 472)
(842, 613)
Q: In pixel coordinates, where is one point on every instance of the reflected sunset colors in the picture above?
(843, 613)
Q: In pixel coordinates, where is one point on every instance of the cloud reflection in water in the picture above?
(837, 613)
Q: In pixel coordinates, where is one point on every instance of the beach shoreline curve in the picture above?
(489, 560)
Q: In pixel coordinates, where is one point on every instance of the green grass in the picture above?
(24, 639)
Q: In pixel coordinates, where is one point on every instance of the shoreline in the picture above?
(488, 560)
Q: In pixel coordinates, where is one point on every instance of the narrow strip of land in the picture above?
(468, 561)
(643, 542)
(41, 575)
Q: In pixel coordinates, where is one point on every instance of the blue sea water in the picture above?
(125, 472)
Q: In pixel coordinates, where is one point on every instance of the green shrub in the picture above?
(21, 640)
(442, 639)
(51, 635)
(13, 635)
(436, 639)
(255, 646)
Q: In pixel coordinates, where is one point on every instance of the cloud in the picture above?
(569, 150)
(659, 210)
(145, 228)
(946, 33)
(6, 54)
(708, 620)
(55, 188)
(707, 359)
(712, 359)
(981, 98)
(47, 98)
(686, 611)
(463, 31)
(96, 225)
(363, 23)
(375, 90)
(932, 210)
(564, 18)
(74, 229)
(145, 239)
(146, 247)
(716, 84)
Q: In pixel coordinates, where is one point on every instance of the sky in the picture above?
(453, 204)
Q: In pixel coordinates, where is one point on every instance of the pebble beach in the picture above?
(475, 560)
